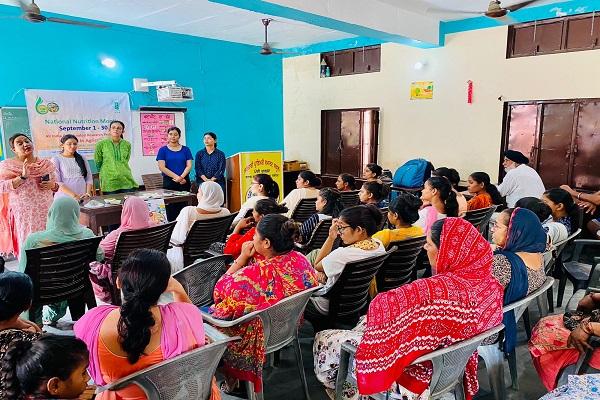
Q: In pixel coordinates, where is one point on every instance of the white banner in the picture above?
(55, 113)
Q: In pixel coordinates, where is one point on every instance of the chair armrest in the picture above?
(225, 323)
(175, 243)
(346, 352)
(584, 359)
(580, 244)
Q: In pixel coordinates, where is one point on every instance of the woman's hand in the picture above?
(48, 185)
(25, 173)
(568, 189)
(588, 207)
(182, 180)
(587, 303)
(333, 229)
(243, 224)
(579, 339)
(321, 277)
(248, 250)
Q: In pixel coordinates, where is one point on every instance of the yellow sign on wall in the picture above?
(260, 162)
(422, 90)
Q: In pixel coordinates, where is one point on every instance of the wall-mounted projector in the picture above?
(167, 91)
(174, 94)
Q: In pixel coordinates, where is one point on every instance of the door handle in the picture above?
(568, 153)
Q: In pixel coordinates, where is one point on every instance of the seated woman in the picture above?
(306, 188)
(518, 261)
(461, 300)
(345, 183)
(564, 209)
(557, 340)
(402, 214)
(16, 293)
(51, 367)
(328, 205)
(355, 226)
(210, 198)
(454, 178)
(374, 192)
(135, 215)
(263, 187)
(263, 207)
(589, 203)
(372, 172)
(244, 288)
(485, 194)
(139, 333)
(556, 231)
(62, 226)
(438, 193)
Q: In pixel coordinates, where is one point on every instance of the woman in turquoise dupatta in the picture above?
(62, 226)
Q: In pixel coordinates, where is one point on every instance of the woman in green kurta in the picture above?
(112, 160)
(62, 226)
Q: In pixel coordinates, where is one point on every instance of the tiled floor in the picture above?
(283, 382)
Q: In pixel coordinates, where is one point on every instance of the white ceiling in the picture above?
(193, 17)
(207, 19)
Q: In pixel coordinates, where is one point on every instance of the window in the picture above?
(557, 35)
(360, 60)
(348, 140)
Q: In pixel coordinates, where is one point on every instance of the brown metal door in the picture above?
(555, 143)
(523, 43)
(350, 142)
(522, 131)
(331, 139)
(586, 150)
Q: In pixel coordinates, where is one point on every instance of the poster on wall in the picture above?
(153, 127)
(422, 90)
(54, 113)
(260, 162)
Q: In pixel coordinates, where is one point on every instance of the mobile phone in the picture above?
(45, 178)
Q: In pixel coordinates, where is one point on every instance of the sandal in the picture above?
(238, 391)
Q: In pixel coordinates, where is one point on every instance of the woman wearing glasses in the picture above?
(355, 226)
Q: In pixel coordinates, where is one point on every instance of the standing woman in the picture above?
(112, 160)
(73, 173)
(175, 163)
(26, 185)
(210, 162)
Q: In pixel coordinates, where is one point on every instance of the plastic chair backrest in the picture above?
(304, 209)
(155, 237)
(350, 198)
(480, 218)
(520, 306)
(318, 237)
(60, 272)
(187, 376)
(200, 278)
(398, 268)
(449, 363)
(280, 321)
(152, 181)
(202, 234)
(349, 296)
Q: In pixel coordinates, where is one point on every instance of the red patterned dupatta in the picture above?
(462, 300)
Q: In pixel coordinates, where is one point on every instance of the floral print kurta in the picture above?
(256, 287)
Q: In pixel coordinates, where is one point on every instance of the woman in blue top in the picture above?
(210, 162)
(175, 163)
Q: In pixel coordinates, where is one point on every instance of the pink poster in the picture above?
(154, 131)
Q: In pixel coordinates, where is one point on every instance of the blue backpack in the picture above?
(413, 173)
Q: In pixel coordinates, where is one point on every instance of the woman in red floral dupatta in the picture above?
(243, 289)
(460, 301)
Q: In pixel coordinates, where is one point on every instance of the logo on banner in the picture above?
(42, 108)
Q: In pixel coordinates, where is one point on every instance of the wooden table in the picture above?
(94, 218)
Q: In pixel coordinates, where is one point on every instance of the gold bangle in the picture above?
(579, 196)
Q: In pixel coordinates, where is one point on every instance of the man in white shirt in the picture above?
(520, 180)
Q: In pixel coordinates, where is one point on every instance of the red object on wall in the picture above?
(470, 92)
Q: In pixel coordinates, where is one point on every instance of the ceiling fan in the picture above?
(266, 48)
(32, 13)
(495, 9)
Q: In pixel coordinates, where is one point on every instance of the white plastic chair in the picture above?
(280, 326)
(187, 376)
(493, 356)
(448, 367)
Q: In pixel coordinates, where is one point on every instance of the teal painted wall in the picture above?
(238, 93)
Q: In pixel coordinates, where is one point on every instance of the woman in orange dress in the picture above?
(485, 194)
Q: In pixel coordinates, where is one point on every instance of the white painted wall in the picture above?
(445, 130)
